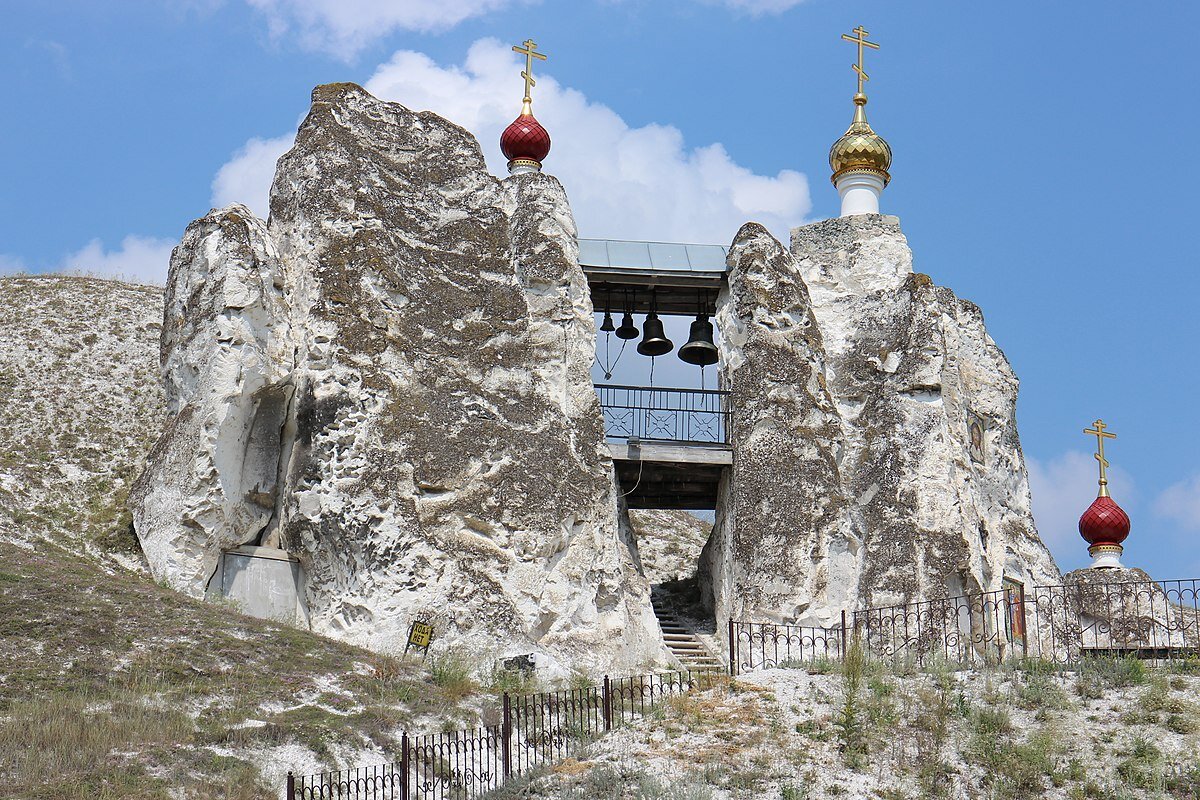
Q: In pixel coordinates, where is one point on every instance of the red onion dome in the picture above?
(525, 140)
(1104, 523)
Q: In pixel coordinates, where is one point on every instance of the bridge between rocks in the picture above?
(670, 445)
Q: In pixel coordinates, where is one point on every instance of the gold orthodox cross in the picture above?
(530, 53)
(1101, 434)
(861, 40)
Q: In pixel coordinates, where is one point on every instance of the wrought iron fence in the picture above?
(536, 729)
(697, 416)
(1062, 624)
(762, 645)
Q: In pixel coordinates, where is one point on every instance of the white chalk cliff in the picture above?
(390, 381)
(856, 385)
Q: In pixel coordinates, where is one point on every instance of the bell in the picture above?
(627, 330)
(654, 341)
(700, 349)
(607, 325)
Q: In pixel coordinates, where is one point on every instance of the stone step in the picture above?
(686, 647)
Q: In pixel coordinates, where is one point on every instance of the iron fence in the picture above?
(535, 729)
(695, 416)
(1062, 624)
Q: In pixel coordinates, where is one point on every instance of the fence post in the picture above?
(291, 786)
(1024, 624)
(732, 650)
(607, 705)
(404, 764)
(843, 634)
(506, 736)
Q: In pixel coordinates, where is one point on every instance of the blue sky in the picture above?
(1042, 165)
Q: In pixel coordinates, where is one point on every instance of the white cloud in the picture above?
(1181, 502)
(623, 182)
(1062, 489)
(246, 178)
(11, 265)
(140, 259)
(345, 27)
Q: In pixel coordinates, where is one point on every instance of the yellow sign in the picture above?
(420, 635)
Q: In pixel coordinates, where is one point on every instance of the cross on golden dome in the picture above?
(860, 38)
(1101, 434)
(530, 53)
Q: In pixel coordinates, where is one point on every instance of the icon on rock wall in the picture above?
(975, 431)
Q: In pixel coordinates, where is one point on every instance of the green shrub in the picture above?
(849, 720)
(451, 671)
(1142, 766)
(1040, 691)
(1098, 673)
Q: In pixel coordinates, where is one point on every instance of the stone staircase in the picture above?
(683, 643)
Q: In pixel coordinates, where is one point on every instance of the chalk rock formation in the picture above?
(876, 451)
(668, 542)
(1125, 609)
(412, 337)
(212, 479)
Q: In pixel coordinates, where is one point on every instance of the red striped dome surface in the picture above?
(1104, 522)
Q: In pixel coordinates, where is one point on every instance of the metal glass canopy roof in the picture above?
(676, 278)
(651, 256)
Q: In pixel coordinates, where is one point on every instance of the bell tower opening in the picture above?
(666, 415)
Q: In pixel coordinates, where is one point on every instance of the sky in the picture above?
(1041, 166)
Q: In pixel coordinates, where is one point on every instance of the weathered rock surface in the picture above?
(211, 483)
(669, 542)
(405, 349)
(1124, 608)
(781, 504)
(856, 384)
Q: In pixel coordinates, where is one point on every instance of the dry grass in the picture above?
(112, 684)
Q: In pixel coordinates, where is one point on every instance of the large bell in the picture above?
(627, 330)
(654, 340)
(700, 349)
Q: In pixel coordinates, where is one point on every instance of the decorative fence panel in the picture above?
(696, 416)
(1062, 624)
(762, 645)
(536, 729)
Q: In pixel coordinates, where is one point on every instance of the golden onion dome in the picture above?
(860, 148)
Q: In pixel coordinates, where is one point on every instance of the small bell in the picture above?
(700, 349)
(627, 330)
(654, 341)
(607, 326)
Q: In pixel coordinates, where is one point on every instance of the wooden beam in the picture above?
(671, 453)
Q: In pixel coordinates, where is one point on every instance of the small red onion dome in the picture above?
(1104, 522)
(525, 140)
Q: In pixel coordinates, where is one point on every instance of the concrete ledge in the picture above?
(254, 551)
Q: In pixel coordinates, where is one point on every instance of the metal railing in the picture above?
(535, 729)
(692, 416)
(1063, 624)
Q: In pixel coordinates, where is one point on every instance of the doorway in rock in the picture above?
(670, 542)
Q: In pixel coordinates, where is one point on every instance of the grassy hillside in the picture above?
(81, 404)
(114, 687)
(110, 685)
